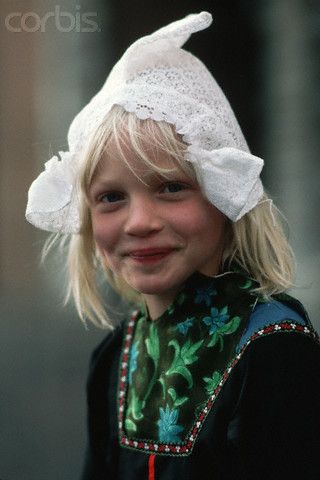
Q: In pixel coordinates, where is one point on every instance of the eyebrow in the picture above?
(149, 177)
(97, 185)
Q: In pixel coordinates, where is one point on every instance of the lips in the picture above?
(149, 252)
(150, 255)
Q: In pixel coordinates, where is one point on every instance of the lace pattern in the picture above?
(157, 79)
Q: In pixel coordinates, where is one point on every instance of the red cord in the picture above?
(151, 467)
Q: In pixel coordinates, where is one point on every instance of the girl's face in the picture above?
(152, 231)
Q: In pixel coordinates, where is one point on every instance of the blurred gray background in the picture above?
(54, 56)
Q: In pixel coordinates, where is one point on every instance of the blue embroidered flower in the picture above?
(168, 429)
(217, 319)
(204, 294)
(183, 327)
(133, 360)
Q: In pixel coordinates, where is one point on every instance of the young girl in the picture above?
(215, 376)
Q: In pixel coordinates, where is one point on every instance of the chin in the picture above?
(157, 285)
(148, 289)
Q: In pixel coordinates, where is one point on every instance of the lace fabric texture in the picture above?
(184, 94)
(157, 79)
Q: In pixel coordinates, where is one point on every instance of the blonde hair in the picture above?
(256, 243)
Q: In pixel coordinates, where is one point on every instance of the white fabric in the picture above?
(157, 79)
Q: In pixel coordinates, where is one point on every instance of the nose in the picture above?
(143, 217)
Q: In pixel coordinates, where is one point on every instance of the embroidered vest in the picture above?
(174, 367)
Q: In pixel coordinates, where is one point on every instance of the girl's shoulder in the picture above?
(283, 313)
(279, 352)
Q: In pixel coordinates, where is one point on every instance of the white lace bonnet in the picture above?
(155, 78)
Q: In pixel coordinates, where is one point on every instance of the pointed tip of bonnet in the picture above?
(176, 33)
(144, 50)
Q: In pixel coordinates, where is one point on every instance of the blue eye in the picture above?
(173, 187)
(111, 197)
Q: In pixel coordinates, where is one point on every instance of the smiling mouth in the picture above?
(150, 255)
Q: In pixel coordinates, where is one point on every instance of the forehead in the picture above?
(144, 159)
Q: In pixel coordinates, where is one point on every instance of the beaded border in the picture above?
(185, 448)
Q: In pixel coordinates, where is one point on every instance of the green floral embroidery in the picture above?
(218, 326)
(152, 344)
(226, 329)
(153, 350)
(179, 301)
(176, 401)
(248, 284)
(130, 425)
(135, 406)
(177, 362)
(212, 382)
(182, 357)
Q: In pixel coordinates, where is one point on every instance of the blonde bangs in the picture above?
(142, 138)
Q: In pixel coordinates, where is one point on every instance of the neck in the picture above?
(158, 304)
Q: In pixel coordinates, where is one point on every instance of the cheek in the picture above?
(105, 233)
(214, 223)
(201, 221)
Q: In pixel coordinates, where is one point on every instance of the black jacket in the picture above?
(264, 424)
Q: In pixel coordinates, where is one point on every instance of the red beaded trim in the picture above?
(186, 447)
